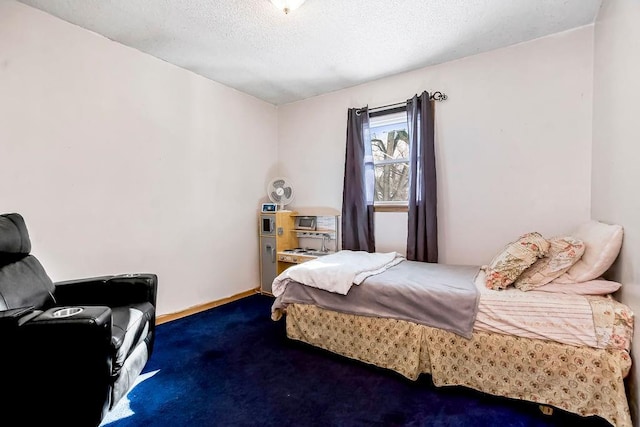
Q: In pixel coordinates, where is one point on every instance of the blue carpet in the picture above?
(233, 366)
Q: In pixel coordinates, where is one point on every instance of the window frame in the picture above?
(395, 205)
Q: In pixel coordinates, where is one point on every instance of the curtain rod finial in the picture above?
(438, 96)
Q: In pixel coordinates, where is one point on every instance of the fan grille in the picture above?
(280, 191)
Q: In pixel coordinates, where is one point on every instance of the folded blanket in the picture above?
(336, 272)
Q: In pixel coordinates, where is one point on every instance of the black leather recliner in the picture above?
(69, 351)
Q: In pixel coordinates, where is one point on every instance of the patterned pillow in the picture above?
(515, 258)
(564, 252)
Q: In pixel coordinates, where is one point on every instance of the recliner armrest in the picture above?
(70, 359)
(111, 291)
(91, 323)
(13, 317)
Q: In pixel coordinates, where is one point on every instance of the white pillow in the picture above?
(602, 246)
(592, 287)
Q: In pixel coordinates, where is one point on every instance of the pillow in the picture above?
(592, 287)
(481, 278)
(515, 258)
(564, 252)
(602, 246)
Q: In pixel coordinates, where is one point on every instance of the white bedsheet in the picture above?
(336, 272)
(535, 314)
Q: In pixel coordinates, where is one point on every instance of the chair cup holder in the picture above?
(67, 312)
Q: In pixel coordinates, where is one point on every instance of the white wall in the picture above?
(113, 156)
(513, 144)
(123, 163)
(616, 149)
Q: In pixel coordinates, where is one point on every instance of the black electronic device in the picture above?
(269, 207)
(305, 223)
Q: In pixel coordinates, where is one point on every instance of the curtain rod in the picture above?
(435, 96)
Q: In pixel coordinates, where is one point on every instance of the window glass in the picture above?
(390, 149)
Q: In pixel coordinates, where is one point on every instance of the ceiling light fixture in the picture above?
(287, 5)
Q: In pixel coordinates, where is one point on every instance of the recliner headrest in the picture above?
(14, 237)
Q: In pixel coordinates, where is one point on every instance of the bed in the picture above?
(553, 345)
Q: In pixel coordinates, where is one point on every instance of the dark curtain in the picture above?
(357, 195)
(422, 238)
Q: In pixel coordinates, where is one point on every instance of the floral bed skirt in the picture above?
(582, 380)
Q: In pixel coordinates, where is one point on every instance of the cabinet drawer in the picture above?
(294, 258)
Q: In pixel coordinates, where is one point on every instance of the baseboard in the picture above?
(202, 307)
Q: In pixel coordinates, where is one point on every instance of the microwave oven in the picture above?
(305, 223)
(267, 224)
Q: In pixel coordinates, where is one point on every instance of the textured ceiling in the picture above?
(323, 46)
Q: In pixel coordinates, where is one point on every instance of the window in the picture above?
(390, 149)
